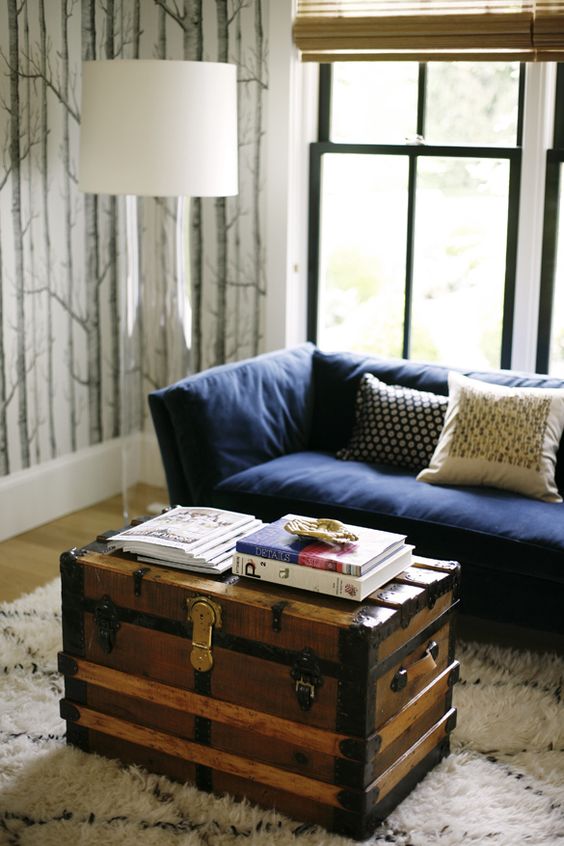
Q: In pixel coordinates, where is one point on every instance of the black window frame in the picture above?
(554, 167)
(324, 146)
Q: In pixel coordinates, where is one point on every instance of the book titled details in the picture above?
(354, 558)
(328, 582)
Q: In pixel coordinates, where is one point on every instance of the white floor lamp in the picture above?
(158, 129)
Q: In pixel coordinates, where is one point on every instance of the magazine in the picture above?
(192, 537)
(217, 566)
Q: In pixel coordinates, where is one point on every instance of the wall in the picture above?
(60, 251)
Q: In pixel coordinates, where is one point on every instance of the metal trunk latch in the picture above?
(307, 675)
(137, 579)
(107, 623)
(204, 614)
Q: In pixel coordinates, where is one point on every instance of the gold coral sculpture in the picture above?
(322, 529)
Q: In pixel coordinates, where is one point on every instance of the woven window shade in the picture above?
(430, 30)
(548, 29)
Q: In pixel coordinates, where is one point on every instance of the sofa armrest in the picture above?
(231, 417)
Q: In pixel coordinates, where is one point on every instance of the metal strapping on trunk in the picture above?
(277, 611)
(72, 595)
(204, 778)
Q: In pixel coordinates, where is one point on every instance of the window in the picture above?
(413, 210)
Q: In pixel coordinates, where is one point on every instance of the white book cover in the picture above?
(328, 582)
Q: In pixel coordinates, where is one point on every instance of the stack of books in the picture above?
(188, 538)
(350, 571)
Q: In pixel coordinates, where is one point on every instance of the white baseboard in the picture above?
(29, 498)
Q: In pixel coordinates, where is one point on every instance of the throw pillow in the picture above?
(394, 425)
(501, 437)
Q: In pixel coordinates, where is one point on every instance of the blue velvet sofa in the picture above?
(261, 435)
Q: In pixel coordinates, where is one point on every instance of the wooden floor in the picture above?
(32, 558)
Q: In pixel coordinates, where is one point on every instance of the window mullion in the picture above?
(314, 216)
(314, 226)
(409, 255)
(324, 108)
(559, 116)
(550, 231)
(421, 98)
(411, 203)
(507, 339)
(550, 235)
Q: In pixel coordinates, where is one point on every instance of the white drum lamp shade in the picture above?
(158, 128)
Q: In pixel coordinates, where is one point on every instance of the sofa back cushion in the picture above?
(225, 419)
(336, 377)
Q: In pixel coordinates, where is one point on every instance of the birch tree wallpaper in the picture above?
(61, 251)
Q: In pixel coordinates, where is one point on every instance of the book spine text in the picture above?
(306, 578)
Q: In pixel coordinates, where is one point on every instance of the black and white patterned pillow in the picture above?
(394, 425)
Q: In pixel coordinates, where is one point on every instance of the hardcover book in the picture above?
(327, 582)
(273, 542)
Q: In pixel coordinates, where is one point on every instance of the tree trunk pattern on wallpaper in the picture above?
(68, 170)
(46, 228)
(189, 22)
(259, 262)
(136, 35)
(4, 398)
(19, 277)
(112, 247)
(220, 208)
(33, 355)
(193, 50)
(7, 392)
(163, 281)
(236, 202)
(60, 250)
(92, 263)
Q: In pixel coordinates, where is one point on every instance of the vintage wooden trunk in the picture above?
(328, 710)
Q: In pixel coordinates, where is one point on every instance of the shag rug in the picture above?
(502, 785)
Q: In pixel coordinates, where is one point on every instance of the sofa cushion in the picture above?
(394, 425)
(499, 436)
(234, 416)
(336, 377)
(511, 533)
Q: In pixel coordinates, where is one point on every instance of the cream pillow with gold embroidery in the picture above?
(497, 436)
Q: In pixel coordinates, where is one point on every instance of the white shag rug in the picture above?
(503, 784)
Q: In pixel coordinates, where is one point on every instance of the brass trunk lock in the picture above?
(204, 614)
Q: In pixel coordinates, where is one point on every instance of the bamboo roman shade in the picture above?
(430, 30)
